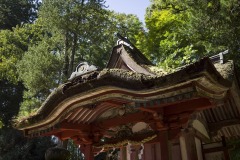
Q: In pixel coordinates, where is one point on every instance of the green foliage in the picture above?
(10, 98)
(40, 71)
(71, 15)
(78, 22)
(74, 150)
(180, 32)
(165, 38)
(1, 124)
(97, 46)
(15, 12)
(234, 151)
(126, 24)
(14, 146)
(39, 61)
(12, 46)
(87, 29)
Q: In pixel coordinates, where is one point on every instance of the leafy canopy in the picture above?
(15, 12)
(180, 32)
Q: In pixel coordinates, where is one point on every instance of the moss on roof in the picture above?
(226, 69)
(156, 70)
(130, 80)
(125, 75)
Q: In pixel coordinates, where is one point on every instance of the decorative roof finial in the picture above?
(219, 57)
(81, 69)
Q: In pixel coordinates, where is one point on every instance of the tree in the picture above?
(14, 146)
(10, 97)
(87, 29)
(97, 46)
(40, 70)
(15, 12)
(180, 32)
(75, 20)
(13, 45)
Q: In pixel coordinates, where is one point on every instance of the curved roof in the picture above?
(119, 84)
(129, 82)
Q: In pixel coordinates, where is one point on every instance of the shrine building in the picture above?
(142, 111)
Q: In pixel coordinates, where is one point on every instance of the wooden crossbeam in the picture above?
(213, 127)
(188, 106)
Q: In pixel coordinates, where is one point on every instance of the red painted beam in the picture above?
(188, 106)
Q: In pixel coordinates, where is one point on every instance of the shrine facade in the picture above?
(141, 111)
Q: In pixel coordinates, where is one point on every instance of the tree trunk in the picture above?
(74, 46)
(66, 58)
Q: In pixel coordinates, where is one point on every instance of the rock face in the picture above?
(57, 154)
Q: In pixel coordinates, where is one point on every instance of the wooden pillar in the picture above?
(164, 148)
(123, 153)
(135, 152)
(88, 152)
(176, 151)
(188, 145)
(199, 148)
(226, 154)
(148, 152)
(129, 152)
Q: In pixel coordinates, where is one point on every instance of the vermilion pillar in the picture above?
(88, 151)
(164, 148)
(123, 153)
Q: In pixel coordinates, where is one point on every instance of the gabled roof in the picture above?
(131, 59)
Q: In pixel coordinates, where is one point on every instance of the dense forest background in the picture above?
(42, 42)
